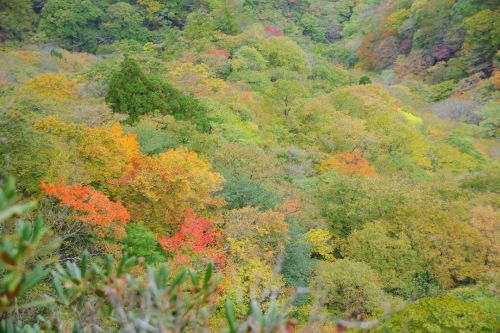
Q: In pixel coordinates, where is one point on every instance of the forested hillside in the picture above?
(249, 166)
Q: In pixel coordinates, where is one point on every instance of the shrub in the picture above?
(197, 242)
(142, 242)
(390, 255)
(241, 191)
(441, 314)
(348, 163)
(124, 22)
(54, 85)
(297, 263)
(441, 90)
(348, 288)
(365, 80)
(91, 207)
(73, 22)
(490, 119)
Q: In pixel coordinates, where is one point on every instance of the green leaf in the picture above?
(85, 262)
(108, 265)
(230, 316)
(194, 278)
(16, 210)
(32, 279)
(208, 274)
(180, 277)
(76, 327)
(162, 277)
(59, 289)
(13, 280)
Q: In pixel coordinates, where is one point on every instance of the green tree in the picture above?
(287, 91)
(365, 80)
(441, 315)
(133, 93)
(17, 17)
(297, 263)
(142, 242)
(283, 52)
(349, 202)
(129, 90)
(348, 288)
(339, 54)
(123, 22)
(312, 27)
(248, 58)
(73, 23)
(482, 38)
(390, 255)
(241, 192)
(199, 26)
(24, 151)
(225, 19)
(490, 119)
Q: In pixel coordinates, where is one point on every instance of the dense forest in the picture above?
(249, 166)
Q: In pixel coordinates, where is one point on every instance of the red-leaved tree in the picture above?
(91, 207)
(272, 31)
(196, 241)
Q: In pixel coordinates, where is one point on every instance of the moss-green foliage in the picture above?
(441, 90)
(284, 52)
(142, 242)
(248, 58)
(157, 133)
(241, 191)
(448, 313)
(349, 288)
(72, 22)
(482, 37)
(17, 17)
(490, 118)
(339, 54)
(17, 134)
(225, 19)
(486, 180)
(349, 202)
(297, 263)
(465, 145)
(333, 76)
(391, 255)
(258, 81)
(124, 22)
(312, 26)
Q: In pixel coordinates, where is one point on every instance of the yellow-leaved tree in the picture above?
(87, 154)
(55, 85)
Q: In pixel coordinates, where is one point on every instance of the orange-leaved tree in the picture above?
(91, 207)
(197, 242)
(348, 163)
(158, 189)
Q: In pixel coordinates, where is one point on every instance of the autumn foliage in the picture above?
(272, 31)
(197, 240)
(160, 188)
(348, 163)
(219, 52)
(91, 207)
(53, 85)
